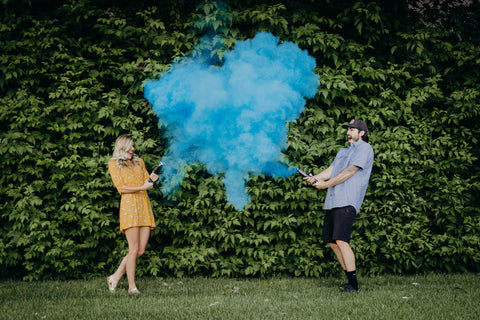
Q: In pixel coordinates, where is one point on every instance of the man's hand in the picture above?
(310, 180)
(314, 181)
(319, 181)
(321, 185)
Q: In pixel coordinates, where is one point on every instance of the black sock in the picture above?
(352, 278)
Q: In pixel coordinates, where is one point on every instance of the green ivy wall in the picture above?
(71, 77)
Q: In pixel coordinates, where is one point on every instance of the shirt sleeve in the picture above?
(116, 175)
(361, 156)
(146, 175)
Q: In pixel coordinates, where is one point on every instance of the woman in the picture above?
(136, 217)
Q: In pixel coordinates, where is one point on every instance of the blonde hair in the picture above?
(120, 154)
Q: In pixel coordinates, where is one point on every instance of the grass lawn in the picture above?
(382, 297)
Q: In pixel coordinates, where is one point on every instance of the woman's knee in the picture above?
(133, 250)
(140, 252)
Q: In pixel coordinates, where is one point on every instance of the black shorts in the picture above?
(337, 224)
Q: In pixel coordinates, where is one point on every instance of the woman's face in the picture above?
(130, 152)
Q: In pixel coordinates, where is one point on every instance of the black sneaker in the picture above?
(349, 288)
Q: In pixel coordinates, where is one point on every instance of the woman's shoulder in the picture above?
(113, 163)
(138, 162)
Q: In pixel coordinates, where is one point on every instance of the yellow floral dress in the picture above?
(135, 208)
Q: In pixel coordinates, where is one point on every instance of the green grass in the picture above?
(382, 297)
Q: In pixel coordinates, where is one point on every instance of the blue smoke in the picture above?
(232, 118)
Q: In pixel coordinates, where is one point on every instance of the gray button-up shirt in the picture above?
(352, 191)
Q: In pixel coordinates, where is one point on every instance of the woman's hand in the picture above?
(154, 177)
(147, 185)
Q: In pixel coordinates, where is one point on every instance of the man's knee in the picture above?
(333, 245)
(341, 243)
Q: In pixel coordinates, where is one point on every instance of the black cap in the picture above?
(359, 124)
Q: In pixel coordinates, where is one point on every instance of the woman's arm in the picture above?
(146, 186)
(119, 183)
(128, 189)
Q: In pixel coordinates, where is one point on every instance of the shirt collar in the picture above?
(355, 144)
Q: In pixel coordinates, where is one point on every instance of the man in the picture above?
(346, 179)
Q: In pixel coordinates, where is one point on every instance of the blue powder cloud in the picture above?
(232, 118)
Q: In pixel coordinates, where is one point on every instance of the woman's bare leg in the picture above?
(137, 241)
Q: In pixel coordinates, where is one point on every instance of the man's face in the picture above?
(354, 135)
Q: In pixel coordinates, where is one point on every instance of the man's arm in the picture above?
(342, 176)
(322, 176)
